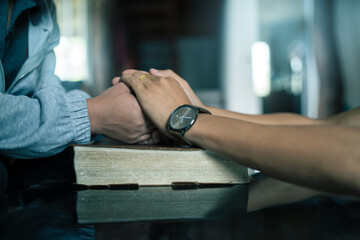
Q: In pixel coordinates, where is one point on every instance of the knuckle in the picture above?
(124, 78)
(172, 79)
(131, 81)
(162, 79)
(136, 74)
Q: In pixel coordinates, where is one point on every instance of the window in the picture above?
(71, 53)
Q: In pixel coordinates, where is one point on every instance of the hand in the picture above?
(116, 80)
(169, 73)
(158, 96)
(116, 114)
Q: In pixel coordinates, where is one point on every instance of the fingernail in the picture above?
(155, 70)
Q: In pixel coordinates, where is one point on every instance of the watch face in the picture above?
(183, 117)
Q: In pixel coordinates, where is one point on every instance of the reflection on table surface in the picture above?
(265, 209)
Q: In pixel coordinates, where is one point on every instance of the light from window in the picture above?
(71, 53)
(260, 56)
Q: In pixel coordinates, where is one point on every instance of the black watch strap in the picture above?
(180, 138)
(179, 134)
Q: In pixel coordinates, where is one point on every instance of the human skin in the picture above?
(116, 114)
(320, 154)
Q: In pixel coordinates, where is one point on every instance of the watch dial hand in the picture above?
(184, 117)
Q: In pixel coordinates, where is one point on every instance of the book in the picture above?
(160, 203)
(108, 163)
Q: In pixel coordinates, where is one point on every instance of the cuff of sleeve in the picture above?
(76, 101)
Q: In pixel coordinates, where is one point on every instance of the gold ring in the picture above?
(142, 77)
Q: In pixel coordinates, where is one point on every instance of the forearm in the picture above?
(349, 118)
(267, 119)
(43, 125)
(94, 117)
(323, 157)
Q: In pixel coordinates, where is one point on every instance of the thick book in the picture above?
(109, 163)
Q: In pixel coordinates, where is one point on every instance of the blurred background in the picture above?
(252, 56)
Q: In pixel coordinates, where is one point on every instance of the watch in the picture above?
(182, 119)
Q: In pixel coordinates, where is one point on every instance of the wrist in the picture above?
(182, 119)
(196, 131)
(94, 116)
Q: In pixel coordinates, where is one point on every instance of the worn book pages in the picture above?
(153, 166)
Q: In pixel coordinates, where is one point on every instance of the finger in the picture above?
(115, 80)
(156, 72)
(123, 87)
(155, 136)
(145, 139)
(163, 73)
(166, 73)
(146, 142)
(133, 82)
(131, 71)
(154, 139)
(143, 78)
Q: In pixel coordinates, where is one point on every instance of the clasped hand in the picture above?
(159, 93)
(116, 114)
(133, 110)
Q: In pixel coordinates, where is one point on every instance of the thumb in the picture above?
(115, 80)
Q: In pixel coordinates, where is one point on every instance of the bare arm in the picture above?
(271, 119)
(349, 118)
(321, 156)
(267, 119)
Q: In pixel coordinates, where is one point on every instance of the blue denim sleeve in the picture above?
(37, 117)
(43, 120)
(42, 125)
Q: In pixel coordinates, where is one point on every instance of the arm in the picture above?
(271, 119)
(349, 118)
(46, 123)
(323, 156)
(39, 119)
(267, 119)
(41, 122)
